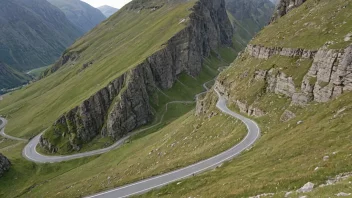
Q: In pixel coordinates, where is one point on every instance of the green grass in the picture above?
(285, 157)
(4, 143)
(37, 106)
(310, 26)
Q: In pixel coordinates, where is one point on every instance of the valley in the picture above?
(197, 98)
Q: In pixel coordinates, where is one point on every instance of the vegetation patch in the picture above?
(310, 26)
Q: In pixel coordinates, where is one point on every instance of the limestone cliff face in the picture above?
(329, 76)
(285, 6)
(4, 164)
(123, 105)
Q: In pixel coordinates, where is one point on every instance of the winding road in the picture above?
(146, 185)
(162, 180)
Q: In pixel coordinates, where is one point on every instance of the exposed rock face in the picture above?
(262, 52)
(123, 105)
(308, 187)
(251, 110)
(4, 164)
(329, 76)
(285, 6)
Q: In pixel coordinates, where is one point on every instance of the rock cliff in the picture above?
(329, 76)
(285, 6)
(4, 164)
(123, 105)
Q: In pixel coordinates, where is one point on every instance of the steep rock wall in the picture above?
(329, 76)
(123, 105)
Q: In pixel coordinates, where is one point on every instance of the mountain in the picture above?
(117, 59)
(108, 10)
(33, 33)
(81, 14)
(10, 78)
(248, 17)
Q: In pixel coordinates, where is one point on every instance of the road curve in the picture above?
(3, 134)
(162, 180)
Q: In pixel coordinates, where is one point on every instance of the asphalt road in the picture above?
(2, 131)
(162, 180)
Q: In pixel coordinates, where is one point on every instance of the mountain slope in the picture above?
(248, 17)
(81, 14)
(10, 78)
(294, 79)
(106, 68)
(33, 33)
(108, 10)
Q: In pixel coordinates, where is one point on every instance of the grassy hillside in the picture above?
(313, 146)
(310, 26)
(37, 106)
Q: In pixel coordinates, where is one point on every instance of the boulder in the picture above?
(308, 187)
(4, 164)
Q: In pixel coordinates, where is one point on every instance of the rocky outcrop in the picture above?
(4, 164)
(280, 83)
(285, 6)
(123, 105)
(329, 76)
(261, 52)
(332, 74)
(250, 110)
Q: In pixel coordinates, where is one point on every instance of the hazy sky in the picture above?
(113, 3)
